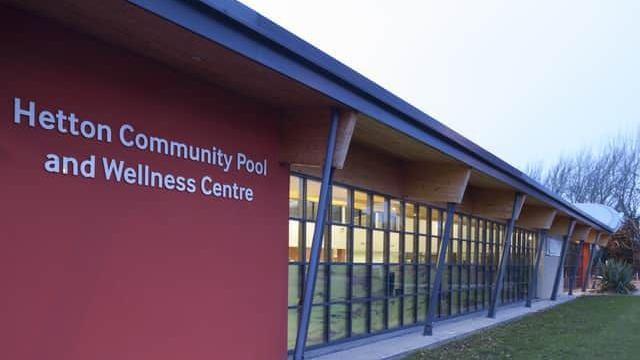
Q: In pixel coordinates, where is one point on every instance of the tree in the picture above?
(609, 176)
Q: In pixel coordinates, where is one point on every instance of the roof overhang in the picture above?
(263, 49)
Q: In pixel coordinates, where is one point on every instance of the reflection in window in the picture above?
(359, 245)
(338, 243)
(378, 247)
(395, 215)
(313, 194)
(394, 248)
(361, 209)
(410, 216)
(340, 213)
(294, 240)
(295, 197)
(379, 212)
(377, 262)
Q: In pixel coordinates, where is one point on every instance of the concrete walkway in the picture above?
(395, 347)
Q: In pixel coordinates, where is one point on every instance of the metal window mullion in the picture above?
(350, 262)
(401, 239)
(369, 232)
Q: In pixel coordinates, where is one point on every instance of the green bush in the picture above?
(616, 277)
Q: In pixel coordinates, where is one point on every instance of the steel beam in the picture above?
(434, 296)
(504, 258)
(563, 254)
(316, 245)
(533, 277)
(592, 256)
(574, 273)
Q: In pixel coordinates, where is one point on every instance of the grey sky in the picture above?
(527, 80)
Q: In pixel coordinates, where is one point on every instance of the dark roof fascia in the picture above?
(244, 31)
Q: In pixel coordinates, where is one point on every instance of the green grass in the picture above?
(593, 327)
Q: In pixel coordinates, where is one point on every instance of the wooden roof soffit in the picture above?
(560, 226)
(593, 237)
(581, 233)
(305, 135)
(491, 203)
(435, 182)
(604, 240)
(536, 217)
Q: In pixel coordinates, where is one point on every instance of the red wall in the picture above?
(92, 269)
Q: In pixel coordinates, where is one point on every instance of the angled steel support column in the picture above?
(533, 278)
(434, 296)
(574, 273)
(592, 256)
(318, 232)
(563, 254)
(504, 258)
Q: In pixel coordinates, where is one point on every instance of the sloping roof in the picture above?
(244, 31)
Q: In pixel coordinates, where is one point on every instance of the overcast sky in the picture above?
(526, 80)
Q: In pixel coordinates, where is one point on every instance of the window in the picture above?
(378, 262)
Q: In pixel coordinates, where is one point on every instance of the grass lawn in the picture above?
(591, 327)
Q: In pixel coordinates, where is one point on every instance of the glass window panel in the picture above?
(435, 249)
(409, 253)
(339, 282)
(340, 211)
(292, 328)
(379, 212)
(378, 282)
(456, 227)
(423, 227)
(310, 227)
(465, 227)
(422, 307)
(377, 315)
(409, 279)
(294, 240)
(294, 285)
(316, 326)
(394, 248)
(455, 302)
(409, 310)
(394, 281)
(436, 215)
(422, 249)
(378, 247)
(360, 287)
(338, 243)
(295, 197)
(395, 215)
(423, 285)
(474, 229)
(358, 318)
(359, 245)
(394, 312)
(361, 209)
(320, 290)
(338, 322)
(313, 195)
(454, 251)
(410, 217)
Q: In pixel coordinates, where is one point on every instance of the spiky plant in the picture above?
(617, 277)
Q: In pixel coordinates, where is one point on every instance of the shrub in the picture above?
(616, 277)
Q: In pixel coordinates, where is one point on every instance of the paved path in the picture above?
(398, 346)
